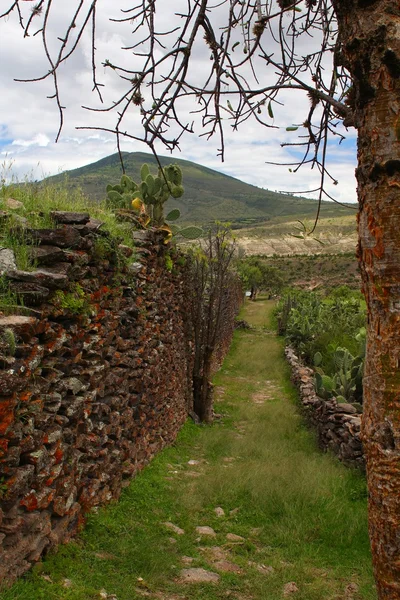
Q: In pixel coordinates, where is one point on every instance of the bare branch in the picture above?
(256, 52)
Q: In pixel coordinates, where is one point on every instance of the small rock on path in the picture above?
(194, 575)
(232, 537)
(290, 588)
(206, 531)
(174, 528)
(227, 567)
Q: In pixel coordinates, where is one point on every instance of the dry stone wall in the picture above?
(337, 424)
(95, 378)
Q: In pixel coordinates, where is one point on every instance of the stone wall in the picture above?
(231, 303)
(95, 378)
(337, 424)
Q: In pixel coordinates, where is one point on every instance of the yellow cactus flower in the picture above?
(137, 203)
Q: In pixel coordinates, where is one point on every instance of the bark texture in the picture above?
(370, 49)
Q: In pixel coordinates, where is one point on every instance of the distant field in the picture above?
(318, 271)
(334, 235)
(307, 263)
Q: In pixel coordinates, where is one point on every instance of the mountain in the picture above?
(209, 195)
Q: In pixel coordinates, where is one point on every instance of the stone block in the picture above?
(31, 294)
(39, 458)
(20, 479)
(49, 279)
(7, 260)
(70, 218)
(38, 499)
(63, 504)
(63, 237)
(23, 327)
(346, 408)
(46, 255)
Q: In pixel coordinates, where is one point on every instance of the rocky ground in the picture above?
(335, 235)
(287, 245)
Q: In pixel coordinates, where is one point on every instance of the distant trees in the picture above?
(257, 276)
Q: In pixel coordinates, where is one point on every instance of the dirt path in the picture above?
(247, 509)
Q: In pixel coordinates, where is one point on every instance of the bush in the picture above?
(324, 328)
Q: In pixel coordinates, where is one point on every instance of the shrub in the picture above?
(328, 333)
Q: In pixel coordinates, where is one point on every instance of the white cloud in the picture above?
(40, 140)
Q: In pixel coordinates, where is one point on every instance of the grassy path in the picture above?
(279, 519)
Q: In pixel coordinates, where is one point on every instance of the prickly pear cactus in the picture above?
(150, 194)
(122, 194)
(148, 197)
(346, 383)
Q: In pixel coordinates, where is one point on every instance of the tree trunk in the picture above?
(253, 293)
(370, 48)
(202, 389)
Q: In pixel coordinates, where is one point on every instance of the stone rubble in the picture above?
(232, 537)
(219, 511)
(338, 425)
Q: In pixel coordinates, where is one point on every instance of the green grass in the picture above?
(40, 199)
(298, 510)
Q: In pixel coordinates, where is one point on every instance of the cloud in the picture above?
(40, 140)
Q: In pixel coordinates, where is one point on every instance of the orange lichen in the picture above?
(377, 232)
(3, 446)
(58, 455)
(6, 414)
(81, 521)
(37, 500)
(25, 396)
(30, 502)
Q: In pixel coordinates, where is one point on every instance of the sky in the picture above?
(29, 119)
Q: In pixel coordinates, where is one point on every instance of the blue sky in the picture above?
(5, 139)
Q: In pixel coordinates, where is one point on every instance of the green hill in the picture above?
(209, 195)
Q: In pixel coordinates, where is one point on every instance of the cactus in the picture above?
(323, 386)
(346, 384)
(148, 197)
(173, 215)
(153, 191)
(317, 359)
(190, 233)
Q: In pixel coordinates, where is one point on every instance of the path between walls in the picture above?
(247, 509)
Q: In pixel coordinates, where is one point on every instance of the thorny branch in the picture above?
(248, 42)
